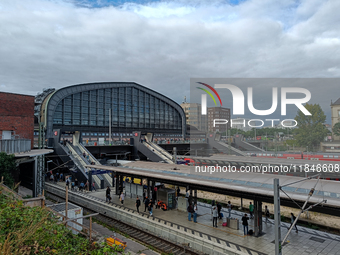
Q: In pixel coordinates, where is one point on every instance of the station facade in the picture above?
(86, 108)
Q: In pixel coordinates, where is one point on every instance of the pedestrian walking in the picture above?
(251, 210)
(122, 197)
(93, 187)
(292, 219)
(146, 203)
(190, 210)
(195, 213)
(87, 187)
(137, 204)
(219, 209)
(61, 176)
(229, 206)
(108, 194)
(266, 213)
(245, 219)
(215, 216)
(150, 208)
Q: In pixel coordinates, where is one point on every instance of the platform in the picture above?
(306, 241)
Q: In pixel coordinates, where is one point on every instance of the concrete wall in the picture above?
(158, 228)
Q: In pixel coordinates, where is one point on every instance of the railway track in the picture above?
(143, 236)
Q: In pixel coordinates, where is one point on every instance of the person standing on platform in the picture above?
(190, 211)
(61, 177)
(150, 208)
(229, 206)
(266, 213)
(219, 208)
(68, 183)
(215, 216)
(245, 219)
(178, 191)
(93, 187)
(108, 194)
(122, 197)
(137, 204)
(195, 213)
(146, 203)
(251, 210)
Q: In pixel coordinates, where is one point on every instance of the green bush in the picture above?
(34, 230)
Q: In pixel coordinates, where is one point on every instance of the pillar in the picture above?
(257, 217)
(117, 184)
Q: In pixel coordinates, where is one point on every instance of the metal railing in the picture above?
(12, 146)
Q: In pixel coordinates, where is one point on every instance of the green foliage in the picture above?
(7, 166)
(33, 230)
(336, 129)
(310, 131)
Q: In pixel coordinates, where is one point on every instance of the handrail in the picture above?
(158, 153)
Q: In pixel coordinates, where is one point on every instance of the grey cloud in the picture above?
(56, 44)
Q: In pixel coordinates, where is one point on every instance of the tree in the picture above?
(310, 130)
(336, 129)
(7, 166)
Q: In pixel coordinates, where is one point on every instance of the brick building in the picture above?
(16, 116)
(218, 113)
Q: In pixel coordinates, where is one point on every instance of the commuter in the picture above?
(137, 204)
(292, 219)
(87, 187)
(84, 154)
(150, 208)
(195, 213)
(178, 191)
(82, 186)
(245, 224)
(187, 194)
(57, 175)
(266, 213)
(219, 208)
(73, 186)
(215, 215)
(251, 210)
(68, 183)
(229, 206)
(146, 203)
(122, 198)
(93, 187)
(190, 211)
(61, 176)
(108, 194)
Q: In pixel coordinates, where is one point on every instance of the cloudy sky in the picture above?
(162, 44)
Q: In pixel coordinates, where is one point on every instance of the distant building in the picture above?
(221, 114)
(335, 108)
(16, 117)
(193, 115)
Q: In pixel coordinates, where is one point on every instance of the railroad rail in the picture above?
(143, 236)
